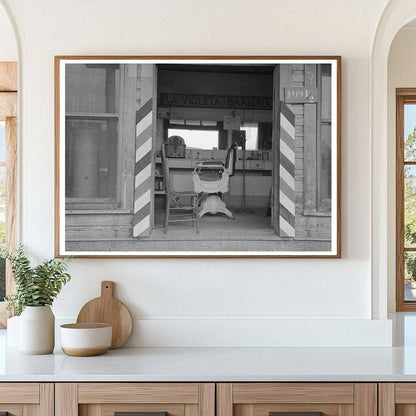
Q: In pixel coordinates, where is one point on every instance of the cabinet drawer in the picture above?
(138, 393)
(152, 399)
(297, 399)
(19, 393)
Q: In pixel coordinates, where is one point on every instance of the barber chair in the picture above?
(211, 179)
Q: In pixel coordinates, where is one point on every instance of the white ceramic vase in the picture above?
(37, 330)
(13, 331)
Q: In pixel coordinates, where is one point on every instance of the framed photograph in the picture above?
(198, 156)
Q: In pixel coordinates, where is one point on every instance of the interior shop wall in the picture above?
(401, 74)
(182, 297)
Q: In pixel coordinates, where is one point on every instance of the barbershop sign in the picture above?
(216, 101)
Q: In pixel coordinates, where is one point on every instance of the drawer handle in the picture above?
(296, 414)
(138, 414)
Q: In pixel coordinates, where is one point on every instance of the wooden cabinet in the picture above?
(106, 399)
(207, 399)
(397, 399)
(263, 399)
(27, 399)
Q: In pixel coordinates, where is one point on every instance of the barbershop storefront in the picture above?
(276, 118)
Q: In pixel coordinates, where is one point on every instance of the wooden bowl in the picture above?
(84, 340)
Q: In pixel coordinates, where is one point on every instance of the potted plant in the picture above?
(36, 289)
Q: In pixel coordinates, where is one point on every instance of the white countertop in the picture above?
(213, 364)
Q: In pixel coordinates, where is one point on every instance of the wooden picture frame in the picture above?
(282, 114)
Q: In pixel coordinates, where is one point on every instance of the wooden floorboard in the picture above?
(203, 246)
(249, 231)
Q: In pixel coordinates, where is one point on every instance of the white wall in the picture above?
(8, 47)
(179, 302)
(401, 74)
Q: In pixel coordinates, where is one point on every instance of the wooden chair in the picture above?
(186, 203)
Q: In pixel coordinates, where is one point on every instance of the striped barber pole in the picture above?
(287, 192)
(143, 170)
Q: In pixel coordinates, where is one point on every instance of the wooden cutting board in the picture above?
(107, 309)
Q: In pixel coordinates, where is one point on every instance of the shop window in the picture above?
(95, 135)
(251, 130)
(97, 140)
(196, 138)
(207, 135)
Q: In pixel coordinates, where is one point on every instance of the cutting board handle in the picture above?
(107, 289)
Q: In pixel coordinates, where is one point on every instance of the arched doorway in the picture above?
(396, 15)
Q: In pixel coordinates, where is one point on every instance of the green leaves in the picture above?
(35, 286)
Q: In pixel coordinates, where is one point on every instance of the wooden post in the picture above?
(310, 145)
(287, 191)
(144, 151)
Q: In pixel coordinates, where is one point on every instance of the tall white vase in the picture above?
(37, 330)
(13, 331)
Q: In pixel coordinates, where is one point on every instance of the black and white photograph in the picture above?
(198, 157)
